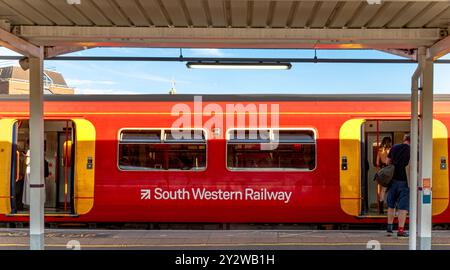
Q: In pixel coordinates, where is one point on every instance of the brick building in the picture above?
(15, 81)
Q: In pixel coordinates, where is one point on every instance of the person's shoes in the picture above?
(390, 228)
(402, 234)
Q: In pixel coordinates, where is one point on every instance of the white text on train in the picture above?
(248, 194)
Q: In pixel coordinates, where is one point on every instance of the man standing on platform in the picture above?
(398, 191)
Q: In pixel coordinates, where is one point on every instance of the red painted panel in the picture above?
(314, 195)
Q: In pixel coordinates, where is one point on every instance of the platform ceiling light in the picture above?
(239, 65)
(73, 2)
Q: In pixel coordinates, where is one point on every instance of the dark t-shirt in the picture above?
(399, 155)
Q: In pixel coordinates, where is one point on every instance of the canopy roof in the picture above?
(378, 24)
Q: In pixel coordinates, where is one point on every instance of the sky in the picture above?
(96, 77)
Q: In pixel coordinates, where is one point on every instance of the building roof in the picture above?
(17, 73)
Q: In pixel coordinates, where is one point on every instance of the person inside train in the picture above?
(398, 190)
(26, 179)
(19, 180)
(182, 162)
(26, 182)
(382, 154)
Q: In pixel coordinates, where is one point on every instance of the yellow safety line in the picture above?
(218, 113)
(221, 245)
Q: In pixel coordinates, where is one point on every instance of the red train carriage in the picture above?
(116, 159)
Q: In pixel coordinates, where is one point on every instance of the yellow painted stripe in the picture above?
(226, 245)
(84, 178)
(223, 113)
(440, 185)
(350, 183)
(6, 130)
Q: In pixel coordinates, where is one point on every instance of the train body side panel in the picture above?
(315, 194)
(307, 203)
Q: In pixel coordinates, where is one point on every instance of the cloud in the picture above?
(148, 77)
(99, 91)
(78, 82)
(154, 78)
(441, 81)
(7, 63)
(207, 52)
(4, 51)
(140, 76)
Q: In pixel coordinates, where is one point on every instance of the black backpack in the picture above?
(384, 175)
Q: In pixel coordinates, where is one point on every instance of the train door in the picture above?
(350, 156)
(54, 175)
(69, 166)
(372, 190)
(359, 195)
(64, 177)
(8, 133)
(382, 134)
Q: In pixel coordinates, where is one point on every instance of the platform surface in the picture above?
(215, 239)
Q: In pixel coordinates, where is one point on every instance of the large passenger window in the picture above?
(162, 150)
(271, 150)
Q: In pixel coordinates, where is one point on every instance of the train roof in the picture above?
(225, 97)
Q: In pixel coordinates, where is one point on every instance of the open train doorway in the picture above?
(359, 143)
(58, 167)
(379, 137)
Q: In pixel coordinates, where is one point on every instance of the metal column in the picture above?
(37, 186)
(414, 149)
(425, 157)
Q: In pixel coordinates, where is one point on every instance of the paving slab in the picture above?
(215, 239)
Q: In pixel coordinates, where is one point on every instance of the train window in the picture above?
(185, 136)
(247, 136)
(286, 150)
(162, 150)
(140, 136)
(295, 136)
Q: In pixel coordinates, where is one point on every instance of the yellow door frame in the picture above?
(350, 173)
(84, 181)
(6, 143)
(350, 166)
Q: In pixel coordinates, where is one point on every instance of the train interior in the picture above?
(379, 136)
(58, 166)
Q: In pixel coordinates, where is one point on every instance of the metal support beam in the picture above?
(414, 149)
(410, 54)
(425, 157)
(51, 52)
(229, 37)
(247, 60)
(37, 184)
(17, 44)
(439, 49)
(223, 59)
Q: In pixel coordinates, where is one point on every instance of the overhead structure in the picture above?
(45, 29)
(395, 26)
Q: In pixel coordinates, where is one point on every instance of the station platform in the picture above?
(216, 239)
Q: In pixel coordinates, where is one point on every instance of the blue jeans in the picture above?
(398, 195)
